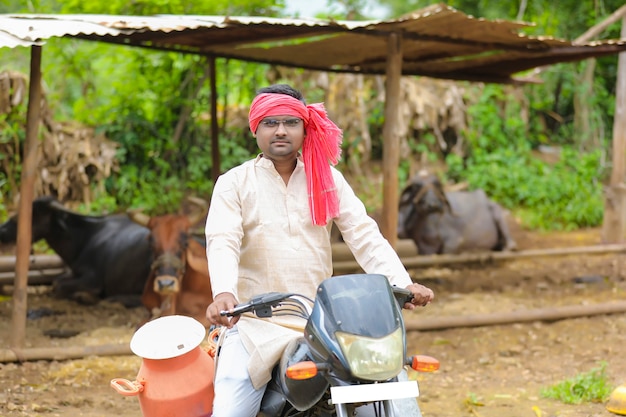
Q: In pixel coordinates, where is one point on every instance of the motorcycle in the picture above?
(352, 356)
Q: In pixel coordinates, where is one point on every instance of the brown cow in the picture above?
(179, 277)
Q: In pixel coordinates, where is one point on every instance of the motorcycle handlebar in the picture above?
(402, 295)
(261, 305)
(240, 309)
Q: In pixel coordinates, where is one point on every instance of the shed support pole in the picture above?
(615, 197)
(391, 139)
(215, 140)
(27, 190)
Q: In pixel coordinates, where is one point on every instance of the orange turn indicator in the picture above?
(423, 363)
(302, 370)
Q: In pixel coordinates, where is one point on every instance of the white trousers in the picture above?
(235, 395)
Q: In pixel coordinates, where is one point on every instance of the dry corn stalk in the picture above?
(73, 161)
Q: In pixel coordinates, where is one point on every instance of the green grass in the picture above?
(592, 386)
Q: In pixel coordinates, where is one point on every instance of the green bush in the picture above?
(592, 386)
(564, 196)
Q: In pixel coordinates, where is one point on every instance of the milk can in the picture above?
(176, 375)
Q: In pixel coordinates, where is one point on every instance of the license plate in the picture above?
(374, 392)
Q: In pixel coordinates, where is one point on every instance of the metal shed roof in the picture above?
(438, 41)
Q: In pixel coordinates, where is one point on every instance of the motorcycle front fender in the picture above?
(302, 394)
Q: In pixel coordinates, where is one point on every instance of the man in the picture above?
(268, 229)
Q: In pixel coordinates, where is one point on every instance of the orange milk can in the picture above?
(176, 375)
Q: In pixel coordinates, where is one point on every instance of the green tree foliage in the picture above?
(565, 194)
(157, 106)
(562, 196)
(199, 7)
(553, 101)
(570, 110)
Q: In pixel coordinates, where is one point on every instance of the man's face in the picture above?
(280, 137)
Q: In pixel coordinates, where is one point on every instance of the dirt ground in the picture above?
(486, 371)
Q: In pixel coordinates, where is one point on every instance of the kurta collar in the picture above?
(266, 163)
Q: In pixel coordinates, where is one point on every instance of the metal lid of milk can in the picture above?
(167, 337)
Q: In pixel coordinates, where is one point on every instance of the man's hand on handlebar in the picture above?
(421, 296)
(223, 302)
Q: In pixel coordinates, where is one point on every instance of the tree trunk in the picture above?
(615, 198)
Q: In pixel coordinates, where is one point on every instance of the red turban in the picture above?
(321, 148)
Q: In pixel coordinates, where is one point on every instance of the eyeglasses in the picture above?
(273, 123)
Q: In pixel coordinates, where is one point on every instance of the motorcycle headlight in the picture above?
(373, 359)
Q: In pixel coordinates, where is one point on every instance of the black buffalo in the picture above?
(451, 222)
(108, 256)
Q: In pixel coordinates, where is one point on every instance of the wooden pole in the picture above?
(590, 34)
(343, 259)
(423, 324)
(63, 353)
(391, 139)
(38, 277)
(615, 196)
(487, 257)
(27, 190)
(404, 248)
(542, 314)
(596, 30)
(9, 263)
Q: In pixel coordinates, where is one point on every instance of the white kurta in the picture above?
(260, 238)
